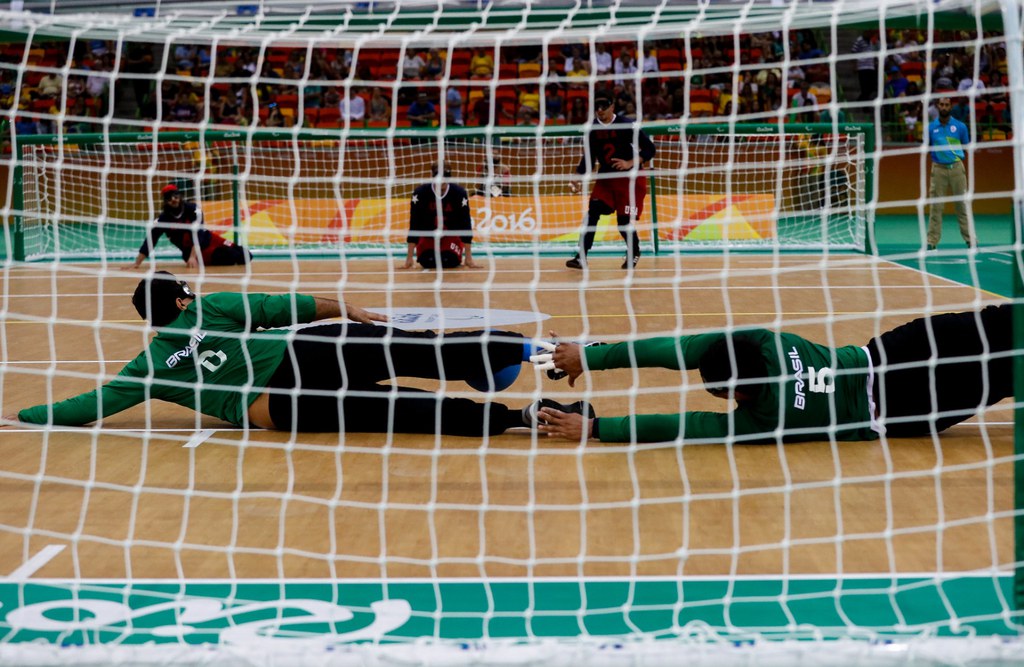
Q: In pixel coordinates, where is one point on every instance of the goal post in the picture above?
(314, 192)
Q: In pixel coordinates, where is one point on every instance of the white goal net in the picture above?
(807, 182)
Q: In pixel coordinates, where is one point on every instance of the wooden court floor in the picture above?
(132, 501)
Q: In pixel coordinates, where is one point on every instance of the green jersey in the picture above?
(211, 359)
(819, 391)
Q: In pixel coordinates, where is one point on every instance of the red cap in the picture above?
(169, 189)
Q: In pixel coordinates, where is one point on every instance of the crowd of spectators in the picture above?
(705, 77)
(973, 76)
(40, 93)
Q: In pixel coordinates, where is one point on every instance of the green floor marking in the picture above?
(64, 613)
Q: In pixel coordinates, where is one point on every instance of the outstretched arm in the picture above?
(329, 308)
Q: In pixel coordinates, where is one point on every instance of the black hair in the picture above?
(603, 95)
(156, 296)
(717, 366)
(447, 170)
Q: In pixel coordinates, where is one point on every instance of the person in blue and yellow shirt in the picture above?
(946, 140)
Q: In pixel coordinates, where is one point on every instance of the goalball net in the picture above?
(270, 547)
(280, 193)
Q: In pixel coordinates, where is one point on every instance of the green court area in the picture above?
(67, 613)
(901, 239)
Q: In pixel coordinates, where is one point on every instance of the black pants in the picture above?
(229, 255)
(626, 227)
(917, 400)
(868, 79)
(336, 368)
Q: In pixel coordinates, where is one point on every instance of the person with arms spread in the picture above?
(210, 355)
(790, 389)
(182, 223)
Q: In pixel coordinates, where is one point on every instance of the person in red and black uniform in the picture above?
(618, 146)
(440, 238)
(182, 223)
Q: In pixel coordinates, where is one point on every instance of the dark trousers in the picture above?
(919, 400)
(334, 370)
(627, 230)
(868, 79)
(229, 255)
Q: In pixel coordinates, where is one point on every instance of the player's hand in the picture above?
(192, 263)
(357, 314)
(129, 267)
(567, 357)
(8, 420)
(408, 264)
(470, 264)
(575, 187)
(622, 165)
(558, 424)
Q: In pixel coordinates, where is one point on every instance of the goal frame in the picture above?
(487, 135)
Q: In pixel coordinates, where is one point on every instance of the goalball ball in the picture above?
(502, 380)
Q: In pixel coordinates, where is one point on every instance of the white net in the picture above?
(282, 197)
(159, 534)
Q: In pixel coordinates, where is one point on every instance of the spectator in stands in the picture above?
(553, 105)
(332, 98)
(996, 88)
(77, 113)
(769, 94)
(624, 66)
(526, 117)
(25, 124)
(138, 62)
(481, 112)
(912, 120)
(380, 109)
(98, 82)
(961, 110)
(896, 86)
(747, 99)
(809, 51)
(866, 47)
(413, 66)
(434, 68)
(6, 96)
(651, 60)
(968, 83)
(226, 110)
(578, 112)
(655, 102)
(352, 107)
(630, 111)
(796, 74)
(807, 102)
(50, 85)
(944, 73)
(421, 113)
(575, 58)
(183, 110)
(295, 66)
(577, 77)
(602, 60)
(275, 118)
(725, 100)
(454, 101)
(481, 66)
(185, 57)
(529, 97)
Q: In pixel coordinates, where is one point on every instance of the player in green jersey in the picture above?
(229, 355)
(918, 379)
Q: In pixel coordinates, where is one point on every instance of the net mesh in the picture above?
(93, 199)
(161, 536)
